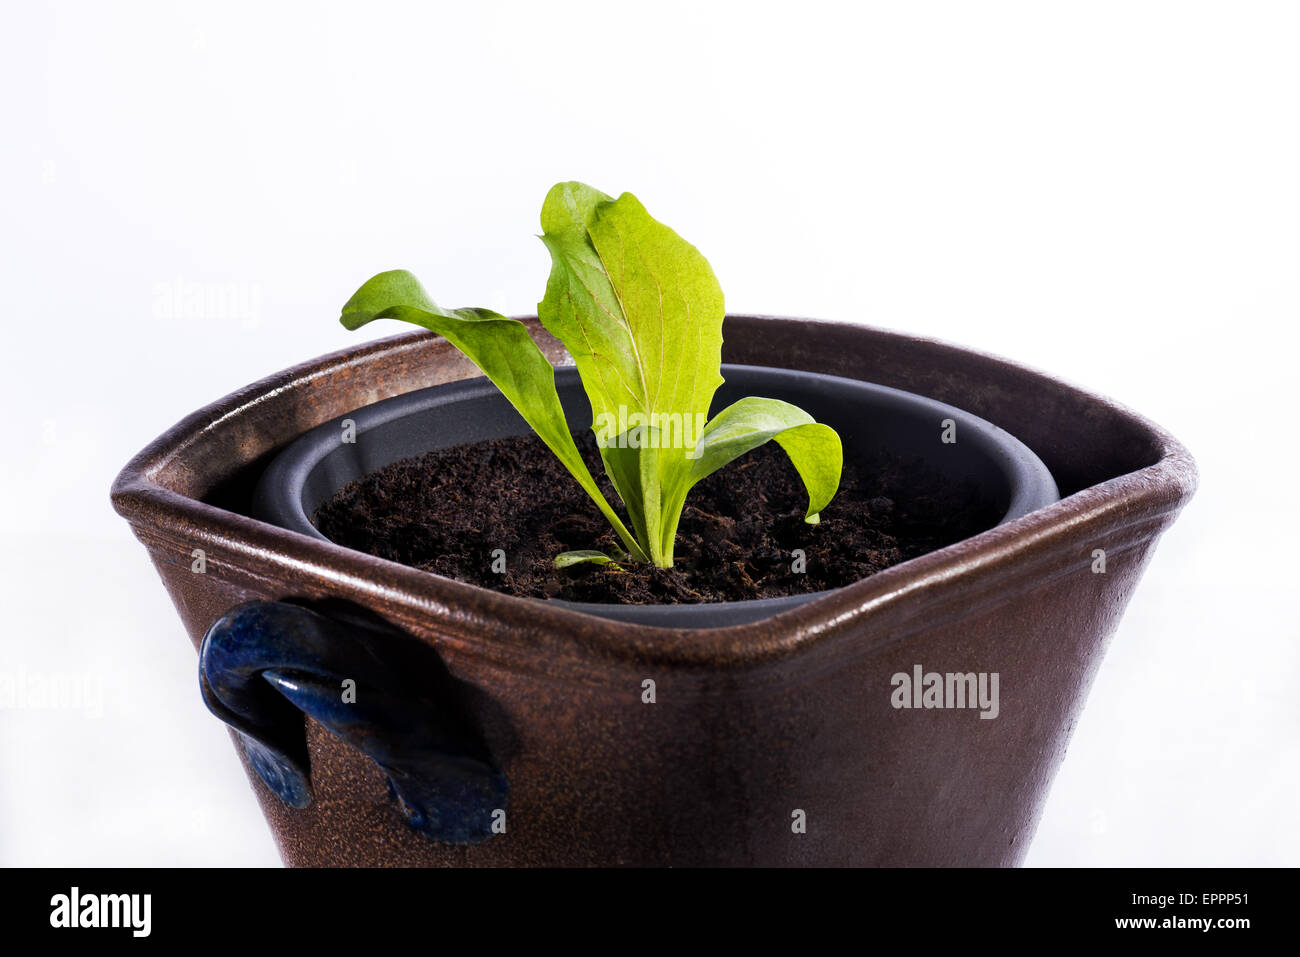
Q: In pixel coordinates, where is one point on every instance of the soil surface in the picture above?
(447, 511)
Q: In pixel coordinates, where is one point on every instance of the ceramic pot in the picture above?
(490, 730)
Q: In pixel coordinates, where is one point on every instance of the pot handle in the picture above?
(265, 664)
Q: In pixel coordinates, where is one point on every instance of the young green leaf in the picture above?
(641, 312)
(814, 449)
(504, 351)
(637, 306)
(582, 556)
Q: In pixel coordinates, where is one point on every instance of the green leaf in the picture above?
(814, 449)
(581, 308)
(504, 351)
(638, 307)
(641, 312)
(581, 556)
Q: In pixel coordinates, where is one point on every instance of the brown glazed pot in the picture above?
(751, 724)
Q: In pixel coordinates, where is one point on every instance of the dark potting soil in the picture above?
(448, 510)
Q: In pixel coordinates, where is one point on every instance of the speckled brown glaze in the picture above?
(750, 723)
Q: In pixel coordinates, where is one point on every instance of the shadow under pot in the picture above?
(990, 476)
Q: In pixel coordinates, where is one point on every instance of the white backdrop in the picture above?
(1106, 191)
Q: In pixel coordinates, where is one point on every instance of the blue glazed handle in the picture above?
(265, 664)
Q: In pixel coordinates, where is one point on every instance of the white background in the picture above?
(1106, 191)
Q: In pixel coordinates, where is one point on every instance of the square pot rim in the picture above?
(1123, 511)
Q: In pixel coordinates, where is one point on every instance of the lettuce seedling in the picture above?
(640, 311)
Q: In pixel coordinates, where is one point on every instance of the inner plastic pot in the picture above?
(311, 469)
